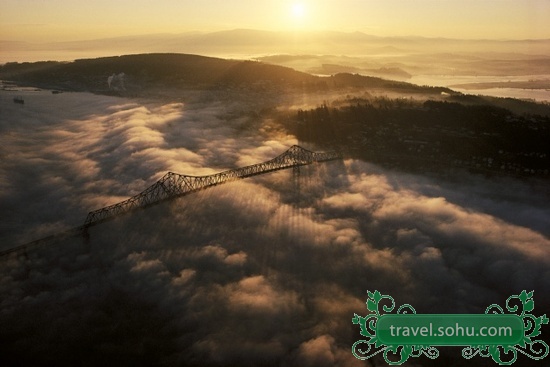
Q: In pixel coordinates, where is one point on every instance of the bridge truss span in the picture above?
(173, 185)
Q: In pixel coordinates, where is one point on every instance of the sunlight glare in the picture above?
(298, 10)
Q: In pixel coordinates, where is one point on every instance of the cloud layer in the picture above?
(265, 271)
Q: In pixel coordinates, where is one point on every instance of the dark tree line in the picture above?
(431, 135)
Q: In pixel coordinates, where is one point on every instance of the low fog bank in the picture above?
(506, 74)
(66, 154)
(264, 271)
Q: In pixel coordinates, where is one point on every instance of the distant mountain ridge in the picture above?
(259, 42)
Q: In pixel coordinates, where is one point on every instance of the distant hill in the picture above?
(331, 69)
(131, 75)
(133, 72)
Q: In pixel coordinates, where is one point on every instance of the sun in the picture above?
(298, 10)
(298, 15)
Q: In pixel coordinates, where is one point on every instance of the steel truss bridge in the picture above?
(173, 185)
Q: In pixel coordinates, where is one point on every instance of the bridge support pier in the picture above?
(85, 235)
(296, 183)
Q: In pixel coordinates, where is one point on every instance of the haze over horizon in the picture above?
(62, 20)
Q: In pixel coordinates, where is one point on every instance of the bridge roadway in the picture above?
(173, 185)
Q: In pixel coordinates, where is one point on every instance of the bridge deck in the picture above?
(173, 185)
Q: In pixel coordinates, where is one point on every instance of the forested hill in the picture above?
(430, 136)
(132, 74)
(148, 70)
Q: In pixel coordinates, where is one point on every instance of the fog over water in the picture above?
(539, 95)
(263, 271)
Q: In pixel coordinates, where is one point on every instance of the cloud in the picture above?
(268, 270)
(323, 351)
(256, 295)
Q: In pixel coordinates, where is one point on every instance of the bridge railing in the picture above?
(173, 185)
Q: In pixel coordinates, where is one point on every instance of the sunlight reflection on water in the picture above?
(539, 95)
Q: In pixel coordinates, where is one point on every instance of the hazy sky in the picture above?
(61, 20)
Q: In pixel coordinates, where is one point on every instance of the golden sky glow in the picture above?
(62, 20)
(298, 10)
